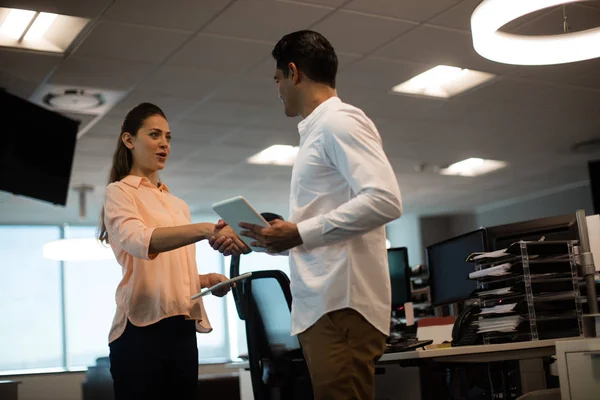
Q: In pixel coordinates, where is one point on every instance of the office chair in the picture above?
(277, 366)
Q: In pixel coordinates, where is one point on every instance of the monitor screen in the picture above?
(399, 276)
(448, 269)
(561, 227)
(37, 150)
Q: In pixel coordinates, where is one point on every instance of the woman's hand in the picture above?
(225, 241)
(212, 279)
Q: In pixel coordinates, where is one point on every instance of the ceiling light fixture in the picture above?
(278, 154)
(442, 81)
(40, 31)
(489, 42)
(16, 22)
(473, 167)
(40, 26)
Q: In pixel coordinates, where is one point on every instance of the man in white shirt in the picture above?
(343, 192)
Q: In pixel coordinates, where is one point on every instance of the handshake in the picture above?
(278, 237)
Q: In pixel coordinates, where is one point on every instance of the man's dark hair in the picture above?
(312, 54)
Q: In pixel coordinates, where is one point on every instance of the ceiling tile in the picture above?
(217, 54)
(551, 22)
(435, 46)
(340, 29)
(181, 15)
(260, 139)
(183, 82)
(128, 42)
(412, 10)
(173, 107)
(76, 8)
(379, 74)
(96, 145)
(246, 19)
(224, 112)
(17, 87)
(326, 3)
(199, 133)
(457, 17)
(98, 72)
(27, 66)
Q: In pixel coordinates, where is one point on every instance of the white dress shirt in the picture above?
(343, 192)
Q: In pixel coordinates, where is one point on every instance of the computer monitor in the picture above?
(561, 227)
(400, 277)
(448, 269)
(36, 155)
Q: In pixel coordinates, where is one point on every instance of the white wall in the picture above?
(560, 201)
(405, 232)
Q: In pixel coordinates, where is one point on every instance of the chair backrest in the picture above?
(269, 292)
(275, 357)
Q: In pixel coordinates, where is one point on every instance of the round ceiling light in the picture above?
(74, 100)
(491, 15)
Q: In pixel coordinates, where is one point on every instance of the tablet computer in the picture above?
(206, 291)
(236, 210)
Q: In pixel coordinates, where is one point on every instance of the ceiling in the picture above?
(208, 65)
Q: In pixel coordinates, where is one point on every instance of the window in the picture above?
(30, 300)
(90, 288)
(248, 263)
(212, 345)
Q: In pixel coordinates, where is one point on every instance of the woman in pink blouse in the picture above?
(153, 350)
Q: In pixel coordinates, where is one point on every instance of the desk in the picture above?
(478, 354)
(463, 354)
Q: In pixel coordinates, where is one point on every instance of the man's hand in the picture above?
(212, 279)
(226, 241)
(279, 236)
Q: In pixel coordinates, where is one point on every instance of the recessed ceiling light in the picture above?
(489, 42)
(40, 31)
(16, 22)
(278, 154)
(442, 81)
(40, 26)
(473, 167)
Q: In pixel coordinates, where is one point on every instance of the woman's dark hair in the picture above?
(122, 158)
(312, 54)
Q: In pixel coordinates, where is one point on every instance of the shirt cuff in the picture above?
(311, 232)
(147, 235)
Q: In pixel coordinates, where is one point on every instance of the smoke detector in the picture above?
(79, 100)
(74, 100)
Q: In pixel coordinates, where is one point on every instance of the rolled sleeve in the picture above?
(124, 224)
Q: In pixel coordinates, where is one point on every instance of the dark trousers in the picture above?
(159, 361)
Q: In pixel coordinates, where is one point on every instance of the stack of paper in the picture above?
(498, 270)
(499, 309)
(500, 324)
(495, 292)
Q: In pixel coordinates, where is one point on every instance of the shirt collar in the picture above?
(305, 124)
(137, 181)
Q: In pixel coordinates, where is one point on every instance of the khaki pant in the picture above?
(341, 349)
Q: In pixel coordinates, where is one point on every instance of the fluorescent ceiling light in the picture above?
(443, 81)
(473, 167)
(30, 30)
(489, 42)
(278, 154)
(84, 249)
(16, 22)
(40, 26)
